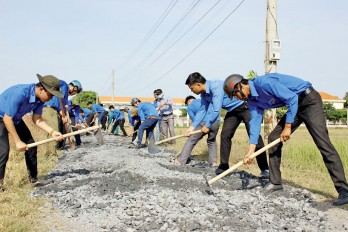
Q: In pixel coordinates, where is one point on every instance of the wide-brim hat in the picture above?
(51, 84)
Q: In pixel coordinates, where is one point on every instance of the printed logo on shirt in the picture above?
(272, 102)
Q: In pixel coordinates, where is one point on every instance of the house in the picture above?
(335, 101)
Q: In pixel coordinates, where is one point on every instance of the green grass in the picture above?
(19, 211)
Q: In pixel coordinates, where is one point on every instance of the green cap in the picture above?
(51, 84)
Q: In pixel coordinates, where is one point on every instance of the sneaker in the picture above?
(271, 188)
(222, 167)
(264, 174)
(139, 146)
(342, 198)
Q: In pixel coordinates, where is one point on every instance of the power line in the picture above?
(175, 42)
(151, 32)
(194, 49)
(146, 37)
(163, 39)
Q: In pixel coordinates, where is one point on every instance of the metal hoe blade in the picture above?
(209, 190)
(152, 147)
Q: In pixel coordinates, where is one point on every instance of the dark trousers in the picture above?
(30, 154)
(61, 129)
(310, 111)
(89, 119)
(101, 117)
(136, 127)
(121, 123)
(148, 125)
(231, 123)
(77, 137)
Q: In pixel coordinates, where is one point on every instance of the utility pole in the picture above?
(272, 55)
(96, 98)
(113, 86)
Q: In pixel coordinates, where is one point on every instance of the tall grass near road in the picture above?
(18, 210)
(302, 164)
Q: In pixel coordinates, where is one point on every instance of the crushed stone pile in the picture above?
(115, 188)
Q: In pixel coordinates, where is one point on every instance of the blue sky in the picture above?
(86, 40)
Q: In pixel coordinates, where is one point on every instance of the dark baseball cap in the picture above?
(51, 84)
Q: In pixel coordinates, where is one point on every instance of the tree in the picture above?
(183, 112)
(346, 98)
(85, 97)
(251, 75)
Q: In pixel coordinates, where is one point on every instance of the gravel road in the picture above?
(116, 188)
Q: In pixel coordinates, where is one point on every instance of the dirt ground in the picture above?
(112, 187)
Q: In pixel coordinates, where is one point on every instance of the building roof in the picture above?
(330, 98)
(126, 100)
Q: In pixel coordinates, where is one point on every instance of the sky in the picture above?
(87, 39)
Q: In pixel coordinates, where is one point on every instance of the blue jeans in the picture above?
(148, 125)
(101, 116)
(158, 131)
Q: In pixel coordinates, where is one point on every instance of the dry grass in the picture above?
(302, 164)
(19, 211)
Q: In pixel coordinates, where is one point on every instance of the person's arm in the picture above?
(254, 131)
(41, 123)
(199, 116)
(8, 121)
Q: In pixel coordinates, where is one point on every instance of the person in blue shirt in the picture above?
(99, 110)
(134, 121)
(110, 121)
(194, 105)
(304, 105)
(118, 120)
(74, 114)
(70, 89)
(87, 116)
(148, 116)
(17, 101)
(158, 125)
(212, 95)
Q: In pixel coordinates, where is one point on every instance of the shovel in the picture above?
(240, 163)
(64, 136)
(98, 133)
(152, 145)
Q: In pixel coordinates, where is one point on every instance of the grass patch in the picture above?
(19, 211)
(302, 164)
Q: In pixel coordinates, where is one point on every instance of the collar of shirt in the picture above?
(253, 91)
(32, 97)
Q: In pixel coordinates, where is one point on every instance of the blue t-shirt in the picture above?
(86, 112)
(19, 100)
(146, 109)
(215, 96)
(117, 115)
(132, 119)
(194, 108)
(271, 91)
(97, 109)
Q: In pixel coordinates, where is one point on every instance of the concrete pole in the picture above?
(113, 86)
(270, 119)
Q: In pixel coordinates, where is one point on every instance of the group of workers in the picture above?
(245, 101)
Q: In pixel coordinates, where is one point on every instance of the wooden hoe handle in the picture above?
(64, 136)
(240, 163)
(176, 137)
